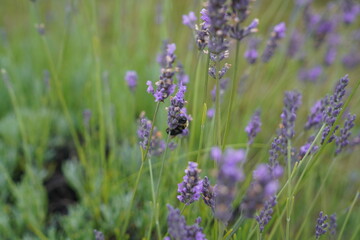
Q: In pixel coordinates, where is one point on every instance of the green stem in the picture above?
(348, 215)
(154, 199)
(162, 166)
(232, 95)
(288, 202)
(217, 133)
(144, 157)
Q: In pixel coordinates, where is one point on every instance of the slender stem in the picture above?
(126, 222)
(348, 215)
(203, 120)
(154, 199)
(144, 157)
(288, 202)
(232, 95)
(217, 133)
(162, 166)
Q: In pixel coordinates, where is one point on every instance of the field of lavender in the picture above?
(179, 120)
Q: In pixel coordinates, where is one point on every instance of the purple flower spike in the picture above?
(208, 193)
(350, 11)
(316, 114)
(251, 53)
(157, 144)
(266, 213)
(240, 8)
(165, 86)
(191, 188)
(178, 230)
(177, 112)
(253, 127)
(131, 79)
(98, 235)
(277, 34)
(305, 148)
(334, 107)
(352, 59)
(189, 20)
(321, 225)
(343, 140)
(332, 225)
(228, 176)
(292, 101)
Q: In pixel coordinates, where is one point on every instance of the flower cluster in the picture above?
(165, 86)
(228, 176)
(191, 188)
(157, 144)
(321, 225)
(178, 229)
(277, 34)
(310, 75)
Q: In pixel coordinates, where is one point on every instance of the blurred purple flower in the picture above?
(253, 127)
(352, 59)
(211, 113)
(189, 20)
(321, 225)
(310, 75)
(229, 175)
(332, 225)
(240, 8)
(350, 11)
(223, 86)
(262, 189)
(305, 148)
(251, 53)
(178, 230)
(316, 113)
(183, 78)
(295, 44)
(131, 78)
(98, 235)
(277, 34)
(331, 51)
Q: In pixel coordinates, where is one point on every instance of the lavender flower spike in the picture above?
(165, 86)
(98, 235)
(208, 193)
(332, 224)
(228, 176)
(253, 127)
(266, 213)
(277, 34)
(321, 225)
(191, 188)
(334, 107)
(292, 101)
(131, 78)
(343, 140)
(178, 230)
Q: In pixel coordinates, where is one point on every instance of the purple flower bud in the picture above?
(332, 225)
(98, 235)
(253, 127)
(321, 225)
(189, 20)
(295, 44)
(277, 34)
(292, 101)
(131, 79)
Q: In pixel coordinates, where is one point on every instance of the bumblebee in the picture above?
(181, 126)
